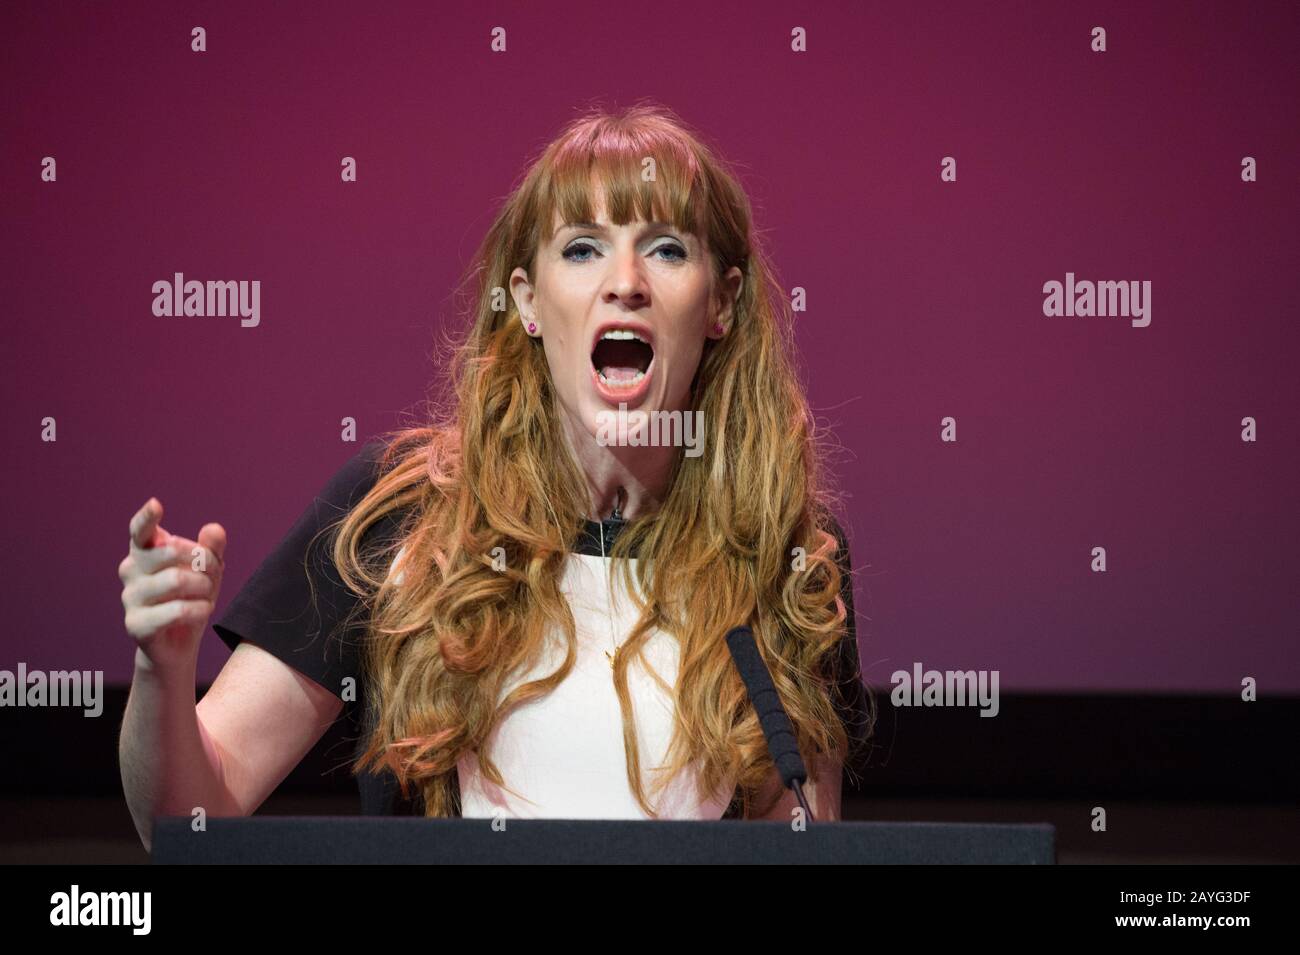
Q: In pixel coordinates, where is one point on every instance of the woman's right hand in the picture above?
(167, 600)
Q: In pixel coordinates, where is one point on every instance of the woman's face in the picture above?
(623, 313)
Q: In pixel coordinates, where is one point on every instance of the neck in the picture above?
(635, 479)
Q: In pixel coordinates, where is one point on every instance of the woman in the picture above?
(522, 608)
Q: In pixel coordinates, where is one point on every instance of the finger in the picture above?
(140, 563)
(182, 552)
(154, 559)
(170, 583)
(213, 537)
(145, 523)
(147, 621)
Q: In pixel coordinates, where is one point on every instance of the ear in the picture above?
(521, 290)
(729, 287)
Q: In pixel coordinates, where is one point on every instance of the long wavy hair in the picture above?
(743, 536)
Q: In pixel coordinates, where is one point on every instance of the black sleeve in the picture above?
(277, 608)
(851, 700)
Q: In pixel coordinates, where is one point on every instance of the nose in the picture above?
(627, 278)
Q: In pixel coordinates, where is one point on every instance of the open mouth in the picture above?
(622, 358)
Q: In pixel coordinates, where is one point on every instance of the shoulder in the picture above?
(298, 574)
(348, 485)
(355, 477)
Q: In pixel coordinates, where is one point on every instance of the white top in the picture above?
(561, 756)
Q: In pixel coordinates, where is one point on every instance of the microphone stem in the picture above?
(803, 803)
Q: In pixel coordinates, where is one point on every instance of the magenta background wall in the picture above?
(924, 297)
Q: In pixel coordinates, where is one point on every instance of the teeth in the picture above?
(622, 384)
(623, 334)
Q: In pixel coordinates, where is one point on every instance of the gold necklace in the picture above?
(613, 639)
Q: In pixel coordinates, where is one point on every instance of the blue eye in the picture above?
(571, 253)
(677, 250)
(575, 247)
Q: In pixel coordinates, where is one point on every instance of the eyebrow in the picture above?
(600, 228)
(597, 227)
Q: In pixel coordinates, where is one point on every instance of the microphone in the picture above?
(781, 741)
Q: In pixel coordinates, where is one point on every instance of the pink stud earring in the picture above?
(717, 327)
(532, 327)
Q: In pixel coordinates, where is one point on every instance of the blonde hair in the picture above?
(491, 470)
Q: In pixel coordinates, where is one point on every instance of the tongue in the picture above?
(617, 373)
(619, 359)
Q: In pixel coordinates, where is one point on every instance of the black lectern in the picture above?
(316, 840)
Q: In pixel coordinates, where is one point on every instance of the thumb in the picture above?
(213, 537)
